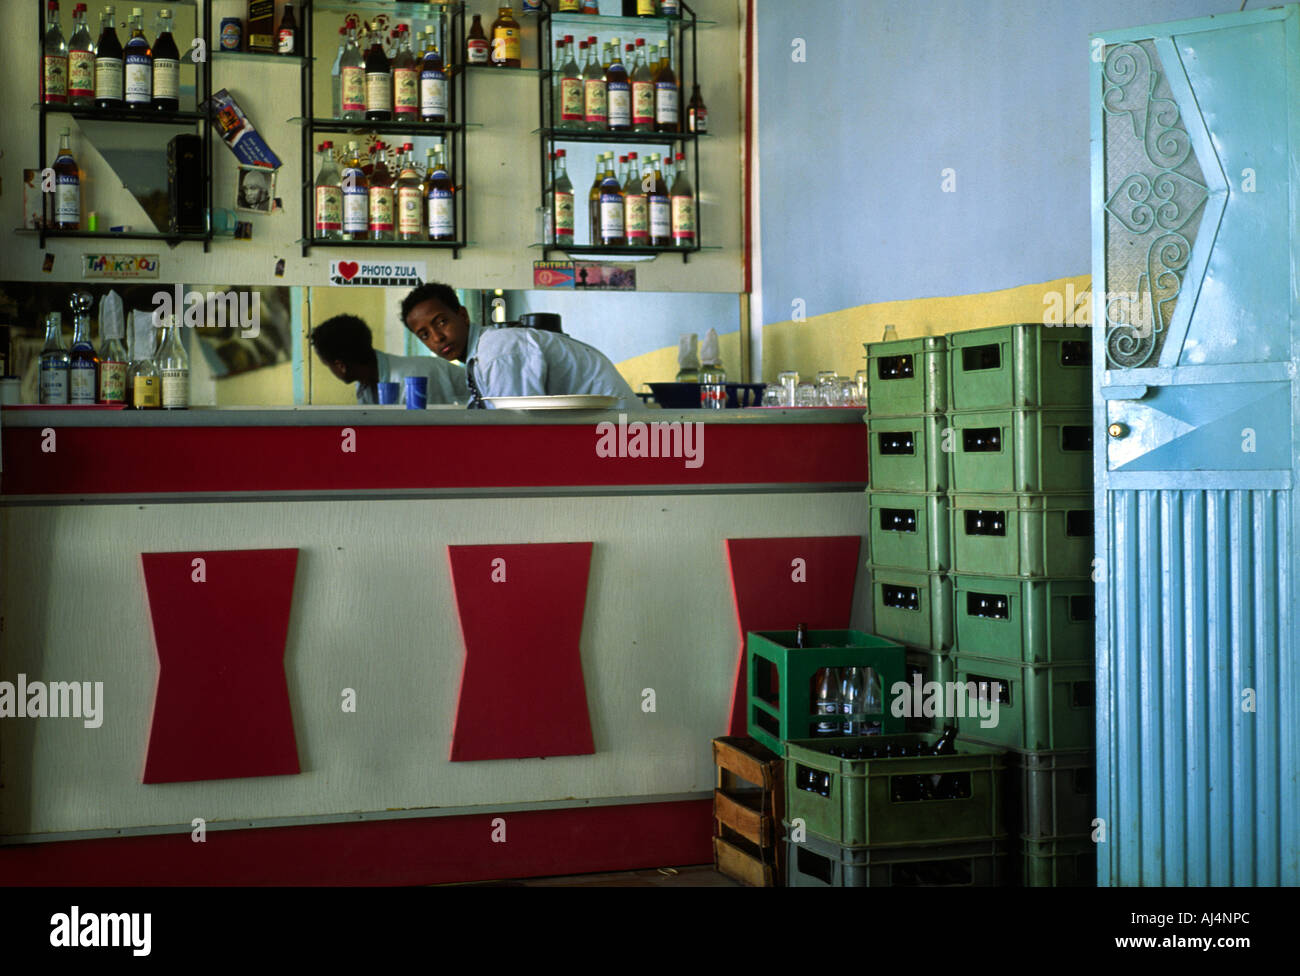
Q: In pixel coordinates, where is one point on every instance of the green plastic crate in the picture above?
(851, 802)
(930, 666)
(1014, 366)
(781, 675)
(910, 531)
(912, 608)
(1012, 451)
(907, 377)
(1051, 794)
(1047, 707)
(1025, 621)
(906, 454)
(1021, 535)
(817, 863)
(1058, 862)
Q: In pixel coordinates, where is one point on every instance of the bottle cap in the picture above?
(136, 12)
(559, 153)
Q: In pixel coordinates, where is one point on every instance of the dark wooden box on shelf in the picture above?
(748, 805)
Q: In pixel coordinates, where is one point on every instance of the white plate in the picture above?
(576, 401)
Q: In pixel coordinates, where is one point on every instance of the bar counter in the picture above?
(503, 653)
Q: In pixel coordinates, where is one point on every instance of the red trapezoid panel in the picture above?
(521, 688)
(769, 596)
(221, 705)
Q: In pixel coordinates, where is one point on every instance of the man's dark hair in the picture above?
(442, 294)
(344, 337)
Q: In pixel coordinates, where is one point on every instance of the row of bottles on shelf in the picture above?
(633, 206)
(80, 376)
(620, 89)
(390, 83)
(631, 8)
(375, 200)
(106, 74)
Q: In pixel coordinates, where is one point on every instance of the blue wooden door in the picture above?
(1195, 201)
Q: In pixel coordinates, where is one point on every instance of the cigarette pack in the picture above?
(238, 133)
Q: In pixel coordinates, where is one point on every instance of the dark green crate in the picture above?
(780, 682)
(912, 608)
(1025, 621)
(1058, 862)
(852, 802)
(1051, 794)
(1014, 366)
(1012, 451)
(1021, 535)
(906, 454)
(907, 377)
(1045, 707)
(909, 531)
(815, 862)
(929, 666)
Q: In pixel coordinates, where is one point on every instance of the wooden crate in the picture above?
(748, 806)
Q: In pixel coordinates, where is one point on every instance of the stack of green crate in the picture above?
(1021, 542)
(909, 541)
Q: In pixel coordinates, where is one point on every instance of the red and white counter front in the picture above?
(377, 646)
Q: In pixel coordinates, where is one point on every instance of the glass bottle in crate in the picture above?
(173, 367)
(872, 702)
(827, 702)
(852, 690)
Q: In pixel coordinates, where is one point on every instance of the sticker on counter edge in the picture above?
(407, 274)
(603, 276)
(553, 274)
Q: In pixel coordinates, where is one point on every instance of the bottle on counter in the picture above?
(143, 385)
(477, 48)
(54, 59)
(166, 67)
(329, 196)
(696, 113)
(380, 197)
(636, 205)
(108, 63)
(406, 79)
(83, 364)
(379, 79)
(505, 39)
(661, 213)
(433, 82)
(441, 200)
(683, 207)
(595, 92)
(113, 364)
(137, 61)
(286, 37)
(67, 186)
(173, 367)
(81, 61)
(562, 201)
(572, 111)
(688, 371)
(54, 363)
(410, 199)
(352, 78)
(356, 193)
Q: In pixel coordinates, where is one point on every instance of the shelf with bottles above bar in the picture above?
(384, 126)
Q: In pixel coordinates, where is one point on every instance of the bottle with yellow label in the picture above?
(505, 40)
(144, 390)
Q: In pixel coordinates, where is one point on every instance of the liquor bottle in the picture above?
(335, 77)
(620, 93)
(113, 364)
(667, 97)
(67, 187)
(410, 200)
(505, 39)
(138, 65)
(108, 63)
(670, 8)
(606, 55)
(944, 786)
(287, 36)
(591, 7)
(352, 79)
(569, 7)
(406, 79)
(83, 364)
(379, 80)
(173, 367)
(433, 83)
(54, 59)
(562, 201)
(572, 111)
(643, 92)
(661, 208)
(612, 231)
(356, 195)
(696, 113)
(442, 201)
(54, 362)
(595, 92)
(166, 67)
(593, 201)
(81, 61)
(380, 198)
(144, 390)
(329, 196)
(427, 176)
(476, 43)
(557, 63)
(647, 8)
(826, 701)
(683, 204)
(636, 205)
(852, 688)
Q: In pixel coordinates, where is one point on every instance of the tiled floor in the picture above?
(696, 876)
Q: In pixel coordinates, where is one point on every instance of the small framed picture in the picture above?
(256, 192)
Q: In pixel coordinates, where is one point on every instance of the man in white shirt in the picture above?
(344, 345)
(511, 362)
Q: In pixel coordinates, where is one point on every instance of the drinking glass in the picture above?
(826, 379)
(774, 396)
(805, 395)
(860, 381)
(789, 379)
(848, 393)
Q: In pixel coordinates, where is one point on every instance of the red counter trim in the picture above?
(143, 460)
(432, 850)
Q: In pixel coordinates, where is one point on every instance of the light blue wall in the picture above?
(853, 142)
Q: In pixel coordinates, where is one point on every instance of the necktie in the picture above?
(475, 397)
